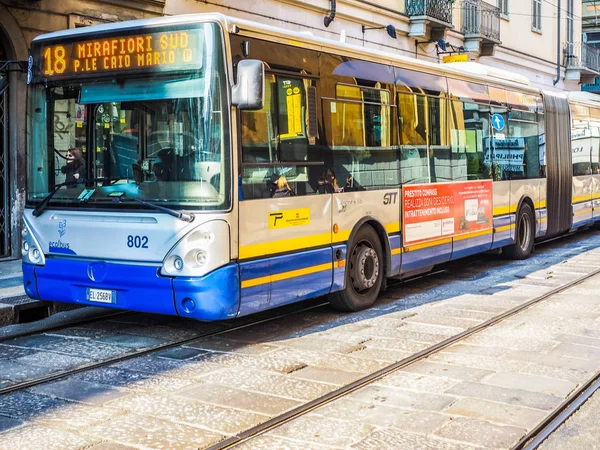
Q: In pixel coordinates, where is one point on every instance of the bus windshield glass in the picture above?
(158, 135)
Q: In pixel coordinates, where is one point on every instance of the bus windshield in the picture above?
(159, 137)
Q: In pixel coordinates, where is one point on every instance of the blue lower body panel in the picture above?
(137, 288)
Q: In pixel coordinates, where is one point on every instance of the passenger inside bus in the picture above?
(283, 188)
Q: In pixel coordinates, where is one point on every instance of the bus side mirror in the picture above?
(249, 91)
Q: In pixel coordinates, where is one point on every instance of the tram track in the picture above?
(560, 414)
(109, 315)
(144, 352)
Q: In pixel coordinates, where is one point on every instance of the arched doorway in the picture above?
(14, 48)
(5, 245)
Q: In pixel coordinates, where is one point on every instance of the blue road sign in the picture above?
(498, 122)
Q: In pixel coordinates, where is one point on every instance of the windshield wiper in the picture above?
(186, 217)
(39, 209)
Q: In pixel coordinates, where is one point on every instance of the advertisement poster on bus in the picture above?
(446, 210)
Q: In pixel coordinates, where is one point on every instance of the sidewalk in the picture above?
(13, 300)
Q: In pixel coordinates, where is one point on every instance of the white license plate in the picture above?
(101, 295)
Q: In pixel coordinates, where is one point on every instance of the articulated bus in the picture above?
(210, 167)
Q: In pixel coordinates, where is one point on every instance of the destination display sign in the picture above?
(168, 50)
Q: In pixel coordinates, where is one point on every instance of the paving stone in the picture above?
(320, 344)
(6, 423)
(442, 330)
(403, 334)
(7, 352)
(275, 362)
(559, 388)
(167, 367)
(220, 344)
(389, 356)
(107, 445)
(183, 410)
(86, 348)
(74, 415)
(146, 431)
(133, 381)
(38, 341)
(480, 432)
(269, 383)
(379, 415)
(20, 372)
(179, 353)
(559, 373)
(324, 430)
(393, 440)
(82, 391)
(519, 397)
(400, 344)
(399, 398)
(578, 351)
(238, 399)
(38, 437)
(477, 316)
(447, 371)
(268, 442)
(475, 361)
(447, 321)
(131, 341)
(468, 349)
(24, 405)
(511, 343)
(417, 382)
(81, 332)
(554, 360)
(330, 376)
(53, 360)
(497, 412)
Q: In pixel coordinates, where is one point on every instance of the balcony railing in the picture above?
(436, 9)
(481, 18)
(579, 55)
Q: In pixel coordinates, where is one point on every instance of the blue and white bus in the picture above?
(210, 167)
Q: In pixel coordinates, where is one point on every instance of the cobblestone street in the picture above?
(484, 392)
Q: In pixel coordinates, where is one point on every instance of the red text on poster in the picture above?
(433, 211)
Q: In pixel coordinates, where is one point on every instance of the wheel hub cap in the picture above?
(366, 268)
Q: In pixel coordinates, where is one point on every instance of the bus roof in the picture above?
(471, 71)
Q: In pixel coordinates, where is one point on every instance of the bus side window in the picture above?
(275, 139)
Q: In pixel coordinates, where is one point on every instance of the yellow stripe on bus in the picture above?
(414, 247)
(503, 210)
(396, 251)
(582, 199)
(473, 235)
(286, 275)
(285, 245)
(505, 228)
(583, 211)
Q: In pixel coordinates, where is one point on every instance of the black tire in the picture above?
(365, 269)
(524, 234)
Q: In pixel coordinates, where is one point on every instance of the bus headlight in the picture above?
(201, 257)
(30, 248)
(200, 251)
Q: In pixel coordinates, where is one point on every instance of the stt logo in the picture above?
(390, 198)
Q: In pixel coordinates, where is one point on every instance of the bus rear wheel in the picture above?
(364, 273)
(524, 234)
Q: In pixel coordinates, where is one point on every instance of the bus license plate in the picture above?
(101, 295)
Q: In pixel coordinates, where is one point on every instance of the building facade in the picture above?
(539, 39)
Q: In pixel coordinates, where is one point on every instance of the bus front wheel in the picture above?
(524, 234)
(364, 272)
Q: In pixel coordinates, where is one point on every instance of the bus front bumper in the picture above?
(214, 296)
